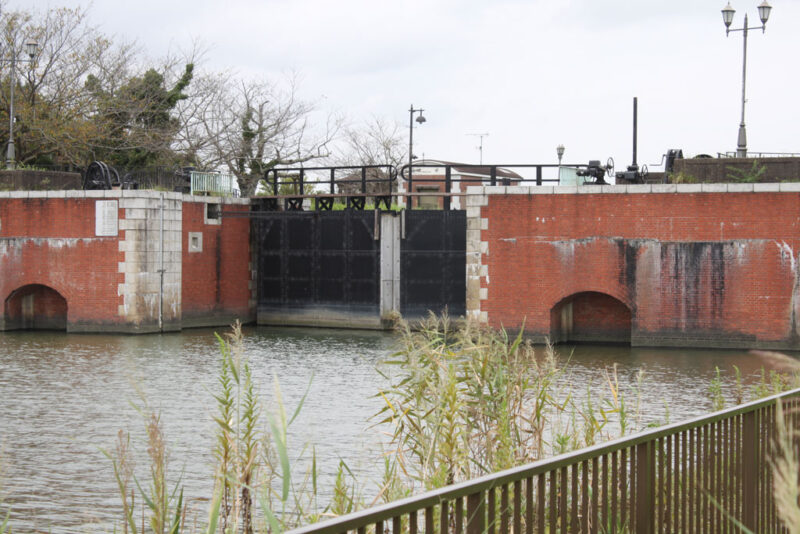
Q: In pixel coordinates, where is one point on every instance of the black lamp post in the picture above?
(727, 17)
(420, 119)
(31, 47)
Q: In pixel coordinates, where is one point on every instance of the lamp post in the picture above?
(560, 154)
(31, 47)
(727, 17)
(420, 120)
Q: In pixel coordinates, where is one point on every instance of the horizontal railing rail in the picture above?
(709, 474)
(354, 184)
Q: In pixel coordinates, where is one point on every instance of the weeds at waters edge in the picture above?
(167, 512)
(465, 402)
(472, 401)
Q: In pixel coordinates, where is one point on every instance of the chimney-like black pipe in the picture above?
(635, 127)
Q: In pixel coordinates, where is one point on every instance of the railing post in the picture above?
(274, 181)
(538, 175)
(750, 468)
(476, 514)
(333, 181)
(644, 489)
(447, 187)
(410, 188)
(493, 176)
(302, 175)
(363, 180)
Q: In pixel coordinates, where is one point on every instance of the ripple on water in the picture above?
(64, 397)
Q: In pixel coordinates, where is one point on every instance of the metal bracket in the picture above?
(356, 203)
(294, 204)
(324, 203)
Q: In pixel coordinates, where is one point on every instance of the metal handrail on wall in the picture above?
(708, 474)
(356, 183)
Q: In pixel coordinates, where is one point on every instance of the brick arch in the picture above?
(590, 316)
(35, 307)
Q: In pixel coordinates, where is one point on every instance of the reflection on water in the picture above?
(64, 397)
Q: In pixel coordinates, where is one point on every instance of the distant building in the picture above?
(429, 177)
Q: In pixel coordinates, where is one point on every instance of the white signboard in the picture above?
(106, 215)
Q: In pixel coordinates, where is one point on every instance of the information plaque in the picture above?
(106, 216)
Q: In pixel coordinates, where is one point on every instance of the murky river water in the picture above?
(63, 398)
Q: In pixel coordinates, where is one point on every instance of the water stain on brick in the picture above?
(697, 270)
(628, 254)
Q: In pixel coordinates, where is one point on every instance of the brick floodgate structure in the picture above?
(711, 265)
(122, 261)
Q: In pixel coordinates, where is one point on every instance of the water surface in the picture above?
(64, 397)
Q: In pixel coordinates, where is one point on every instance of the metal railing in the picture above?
(213, 183)
(353, 184)
(709, 474)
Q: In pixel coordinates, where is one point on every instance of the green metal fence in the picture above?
(709, 474)
(213, 183)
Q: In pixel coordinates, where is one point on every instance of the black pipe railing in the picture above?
(354, 184)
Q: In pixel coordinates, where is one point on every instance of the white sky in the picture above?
(532, 74)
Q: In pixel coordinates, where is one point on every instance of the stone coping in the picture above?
(123, 193)
(783, 187)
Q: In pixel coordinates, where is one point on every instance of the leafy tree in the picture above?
(137, 127)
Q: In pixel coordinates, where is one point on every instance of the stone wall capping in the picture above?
(714, 188)
(664, 188)
(565, 190)
(690, 188)
(790, 187)
(740, 188)
(766, 188)
(638, 188)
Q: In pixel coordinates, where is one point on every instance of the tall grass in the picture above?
(469, 401)
(461, 402)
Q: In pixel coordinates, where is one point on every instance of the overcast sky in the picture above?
(532, 73)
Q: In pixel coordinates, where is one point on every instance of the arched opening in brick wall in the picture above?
(590, 317)
(35, 307)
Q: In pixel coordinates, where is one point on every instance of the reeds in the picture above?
(464, 402)
(471, 401)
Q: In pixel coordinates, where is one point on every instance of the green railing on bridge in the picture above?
(709, 474)
(213, 183)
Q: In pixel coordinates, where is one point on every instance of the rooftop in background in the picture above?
(427, 167)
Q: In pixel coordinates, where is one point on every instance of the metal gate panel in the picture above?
(433, 259)
(318, 259)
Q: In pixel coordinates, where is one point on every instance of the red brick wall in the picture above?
(52, 242)
(714, 269)
(215, 281)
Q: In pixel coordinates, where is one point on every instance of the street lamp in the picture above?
(420, 120)
(31, 48)
(727, 17)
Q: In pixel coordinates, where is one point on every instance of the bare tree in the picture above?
(249, 127)
(375, 142)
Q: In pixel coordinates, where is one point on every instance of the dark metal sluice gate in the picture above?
(433, 263)
(318, 259)
(326, 268)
